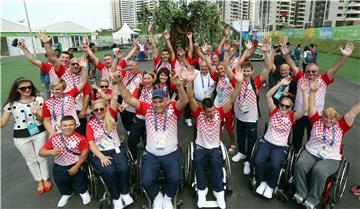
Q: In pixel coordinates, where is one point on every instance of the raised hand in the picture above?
(94, 86)
(119, 54)
(227, 45)
(205, 48)
(196, 45)
(82, 62)
(286, 80)
(348, 49)
(149, 29)
(227, 31)
(283, 40)
(189, 75)
(266, 44)
(137, 42)
(181, 52)
(44, 38)
(303, 86)
(239, 75)
(189, 35)
(116, 76)
(85, 40)
(284, 49)
(314, 86)
(173, 98)
(120, 107)
(21, 44)
(35, 108)
(248, 45)
(166, 35)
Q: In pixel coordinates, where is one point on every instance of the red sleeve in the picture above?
(298, 75)
(314, 118)
(172, 86)
(49, 145)
(188, 59)
(143, 108)
(61, 71)
(177, 112)
(218, 54)
(123, 73)
(45, 67)
(156, 62)
(273, 112)
(89, 133)
(93, 96)
(258, 83)
(87, 89)
(136, 93)
(233, 82)
(343, 125)
(100, 66)
(83, 145)
(214, 76)
(122, 64)
(73, 92)
(293, 121)
(222, 113)
(113, 112)
(326, 79)
(173, 62)
(45, 111)
(195, 61)
(197, 112)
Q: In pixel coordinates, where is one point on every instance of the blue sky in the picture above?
(92, 14)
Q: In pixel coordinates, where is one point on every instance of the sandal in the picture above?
(232, 149)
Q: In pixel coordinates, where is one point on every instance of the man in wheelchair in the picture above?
(322, 154)
(207, 143)
(161, 149)
(274, 144)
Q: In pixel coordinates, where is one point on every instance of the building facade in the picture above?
(123, 11)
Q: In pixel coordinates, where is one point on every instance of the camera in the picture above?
(15, 42)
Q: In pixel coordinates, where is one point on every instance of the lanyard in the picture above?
(102, 127)
(155, 120)
(202, 80)
(333, 134)
(145, 92)
(67, 149)
(62, 108)
(223, 87)
(245, 92)
(25, 114)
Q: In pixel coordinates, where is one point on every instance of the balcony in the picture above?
(353, 11)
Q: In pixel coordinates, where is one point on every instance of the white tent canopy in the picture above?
(124, 35)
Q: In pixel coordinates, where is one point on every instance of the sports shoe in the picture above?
(118, 204)
(268, 193)
(298, 199)
(261, 188)
(247, 168)
(128, 200)
(201, 197)
(308, 205)
(85, 198)
(188, 122)
(239, 156)
(158, 201)
(220, 199)
(167, 204)
(63, 200)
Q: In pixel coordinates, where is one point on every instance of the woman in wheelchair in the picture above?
(274, 144)
(108, 154)
(209, 119)
(322, 153)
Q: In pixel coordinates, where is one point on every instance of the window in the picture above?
(55, 39)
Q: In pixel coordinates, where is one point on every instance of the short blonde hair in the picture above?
(331, 112)
(58, 82)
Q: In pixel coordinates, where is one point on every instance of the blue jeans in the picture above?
(115, 175)
(137, 130)
(68, 184)
(141, 56)
(246, 130)
(150, 167)
(214, 157)
(276, 154)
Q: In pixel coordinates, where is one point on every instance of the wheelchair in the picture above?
(284, 175)
(190, 176)
(161, 181)
(335, 184)
(98, 189)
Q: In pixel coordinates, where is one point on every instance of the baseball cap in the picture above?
(158, 93)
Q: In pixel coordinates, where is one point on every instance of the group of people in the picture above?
(150, 103)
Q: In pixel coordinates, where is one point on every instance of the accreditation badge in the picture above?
(220, 98)
(324, 152)
(244, 108)
(33, 129)
(72, 144)
(160, 141)
(105, 142)
(117, 150)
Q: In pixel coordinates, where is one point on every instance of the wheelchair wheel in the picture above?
(92, 180)
(188, 165)
(339, 185)
(227, 164)
(289, 164)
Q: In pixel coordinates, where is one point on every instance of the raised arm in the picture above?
(305, 104)
(84, 74)
(248, 52)
(168, 45)
(345, 53)
(191, 46)
(269, 100)
(155, 52)
(227, 69)
(288, 59)
(113, 97)
(352, 113)
(117, 59)
(198, 51)
(133, 50)
(312, 105)
(266, 50)
(92, 56)
(189, 76)
(101, 92)
(240, 79)
(28, 54)
(49, 51)
(190, 93)
(128, 97)
(222, 41)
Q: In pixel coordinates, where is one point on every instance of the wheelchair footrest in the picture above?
(210, 204)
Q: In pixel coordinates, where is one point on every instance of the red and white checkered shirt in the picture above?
(53, 108)
(208, 129)
(317, 142)
(160, 64)
(75, 143)
(248, 96)
(279, 127)
(96, 132)
(105, 72)
(168, 129)
(131, 83)
(323, 82)
(179, 66)
(224, 88)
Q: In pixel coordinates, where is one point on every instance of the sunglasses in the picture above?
(24, 88)
(104, 87)
(75, 64)
(311, 71)
(99, 109)
(285, 106)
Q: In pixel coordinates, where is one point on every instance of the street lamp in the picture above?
(28, 21)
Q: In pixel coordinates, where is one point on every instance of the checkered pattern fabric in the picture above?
(163, 64)
(145, 95)
(279, 128)
(132, 85)
(99, 134)
(208, 129)
(233, 62)
(164, 88)
(72, 81)
(224, 88)
(179, 67)
(52, 74)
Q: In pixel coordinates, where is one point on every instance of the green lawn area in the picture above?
(14, 67)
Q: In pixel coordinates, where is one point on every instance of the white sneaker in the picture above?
(239, 156)
(268, 193)
(128, 200)
(261, 188)
(308, 205)
(85, 198)
(118, 204)
(167, 204)
(220, 199)
(298, 199)
(158, 201)
(188, 122)
(201, 197)
(63, 200)
(247, 168)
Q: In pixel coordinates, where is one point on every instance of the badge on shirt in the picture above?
(244, 108)
(72, 144)
(286, 120)
(220, 97)
(33, 129)
(105, 142)
(160, 141)
(324, 152)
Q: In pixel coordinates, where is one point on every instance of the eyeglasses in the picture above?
(74, 64)
(104, 87)
(311, 71)
(24, 88)
(285, 106)
(99, 109)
